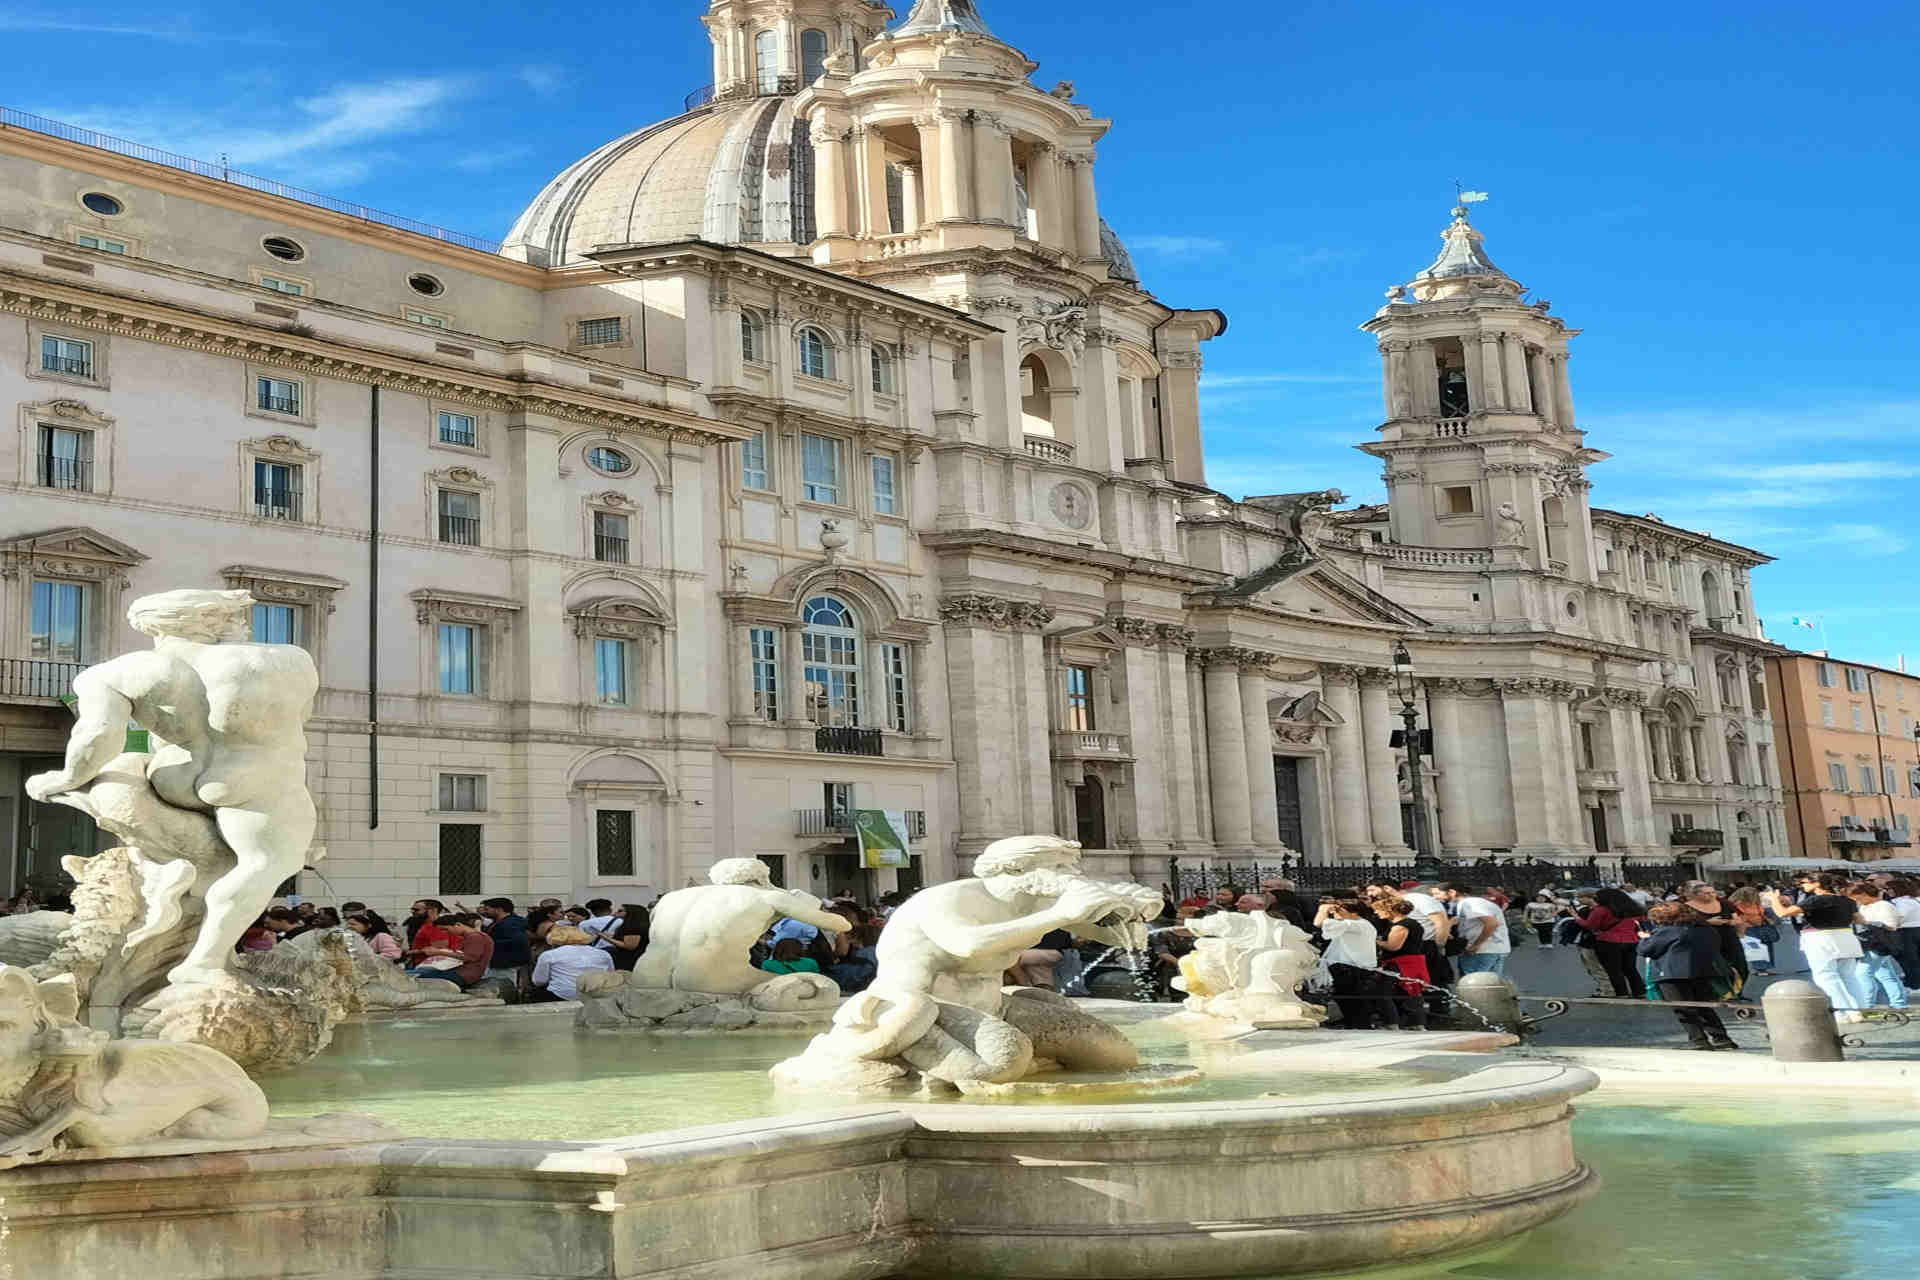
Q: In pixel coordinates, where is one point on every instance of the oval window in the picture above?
(611, 461)
(103, 204)
(420, 282)
(284, 249)
(1573, 608)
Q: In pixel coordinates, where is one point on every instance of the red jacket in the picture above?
(1608, 927)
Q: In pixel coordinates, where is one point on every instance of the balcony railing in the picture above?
(276, 504)
(1698, 838)
(1450, 428)
(1081, 742)
(72, 366)
(1436, 557)
(37, 677)
(845, 740)
(761, 84)
(838, 822)
(1049, 449)
(610, 549)
(461, 531)
(280, 404)
(465, 437)
(66, 473)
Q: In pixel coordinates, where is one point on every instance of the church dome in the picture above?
(731, 172)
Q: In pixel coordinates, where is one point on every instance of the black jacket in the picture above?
(1681, 951)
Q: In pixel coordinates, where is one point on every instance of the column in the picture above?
(789, 52)
(912, 212)
(740, 678)
(1576, 828)
(1562, 392)
(1377, 723)
(830, 180)
(1227, 752)
(1425, 372)
(1258, 730)
(1399, 394)
(876, 219)
(1653, 742)
(1519, 397)
(932, 160)
(1086, 208)
(1630, 758)
(1540, 384)
(1490, 374)
(793, 687)
(1190, 672)
(1529, 725)
(1044, 194)
(1450, 751)
(1473, 367)
(923, 716)
(985, 744)
(992, 170)
(1352, 826)
(954, 204)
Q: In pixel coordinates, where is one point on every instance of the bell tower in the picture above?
(1479, 442)
(767, 47)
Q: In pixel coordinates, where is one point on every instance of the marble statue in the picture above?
(937, 1008)
(383, 985)
(218, 809)
(1509, 529)
(1243, 971)
(64, 1086)
(695, 973)
(1306, 518)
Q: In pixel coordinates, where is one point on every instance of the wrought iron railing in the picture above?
(276, 504)
(1522, 875)
(839, 822)
(10, 118)
(609, 548)
(66, 473)
(845, 740)
(37, 677)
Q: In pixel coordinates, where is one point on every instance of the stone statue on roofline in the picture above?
(1305, 517)
(937, 1009)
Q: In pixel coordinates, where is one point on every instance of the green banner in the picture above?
(883, 838)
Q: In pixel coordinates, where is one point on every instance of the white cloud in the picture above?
(1178, 246)
(1870, 539)
(544, 80)
(1820, 472)
(174, 32)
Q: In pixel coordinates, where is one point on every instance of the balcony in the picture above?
(71, 366)
(837, 822)
(1047, 449)
(845, 740)
(66, 473)
(1079, 744)
(280, 404)
(1698, 838)
(1598, 779)
(609, 549)
(276, 504)
(1450, 428)
(1435, 557)
(461, 531)
(37, 678)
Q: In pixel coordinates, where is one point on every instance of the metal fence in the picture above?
(1522, 874)
(10, 118)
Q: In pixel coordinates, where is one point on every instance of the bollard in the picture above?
(1493, 998)
(1800, 1023)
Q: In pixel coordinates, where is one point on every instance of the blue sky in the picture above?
(1720, 196)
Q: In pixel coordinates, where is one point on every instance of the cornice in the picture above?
(963, 540)
(27, 294)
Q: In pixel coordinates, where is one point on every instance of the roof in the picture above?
(1654, 524)
(944, 15)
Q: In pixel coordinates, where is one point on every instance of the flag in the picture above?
(1802, 622)
(1472, 197)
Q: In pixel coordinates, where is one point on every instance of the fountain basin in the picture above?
(1267, 1187)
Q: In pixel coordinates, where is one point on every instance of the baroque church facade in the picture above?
(820, 449)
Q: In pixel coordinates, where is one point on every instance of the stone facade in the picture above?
(850, 467)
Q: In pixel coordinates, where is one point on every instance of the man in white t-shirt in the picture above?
(1483, 926)
(599, 922)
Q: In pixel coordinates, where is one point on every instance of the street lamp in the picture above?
(1425, 865)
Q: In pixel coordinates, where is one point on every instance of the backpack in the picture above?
(1878, 939)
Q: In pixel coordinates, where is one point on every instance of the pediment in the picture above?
(1324, 591)
(75, 542)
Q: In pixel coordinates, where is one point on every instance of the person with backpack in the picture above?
(1685, 963)
(1878, 929)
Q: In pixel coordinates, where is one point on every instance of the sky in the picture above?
(1720, 196)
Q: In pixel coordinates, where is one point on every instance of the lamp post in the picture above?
(1425, 865)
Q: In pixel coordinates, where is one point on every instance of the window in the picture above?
(816, 354)
(1651, 571)
(463, 792)
(1826, 712)
(459, 858)
(460, 518)
(885, 501)
(458, 428)
(610, 671)
(277, 395)
(103, 204)
(766, 62)
(426, 318)
(1889, 781)
(1823, 674)
(102, 243)
(1673, 572)
(813, 56)
(278, 624)
(1837, 776)
(1856, 680)
(1080, 699)
(422, 283)
(895, 688)
(837, 799)
(763, 643)
(284, 249)
(609, 537)
(280, 284)
(753, 338)
(1858, 716)
(1587, 754)
(882, 370)
(62, 616)
(1765, 775)
(463, 659)
(1457, 500)
(276, 490)
(66, 459)
(820, 469)
(1866, 779)
(753, 462)
(597, 332)
(830, 658)
(613, 842)
(1736, 762)
(69, 357)
(609, 461)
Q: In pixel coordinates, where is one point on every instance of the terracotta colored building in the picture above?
(1849, 758)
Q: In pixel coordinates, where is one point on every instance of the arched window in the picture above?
(1737, 760)
(1710, 597)
(1553, 514)
(830, 662)
(813, 55)
(1648, 570)
(753, 337)
(766, 62)
(816, 354)
(883, 369)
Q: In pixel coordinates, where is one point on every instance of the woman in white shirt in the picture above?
(1353, 958)
(569, 953)
(1905, 897)
(1883, 965)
